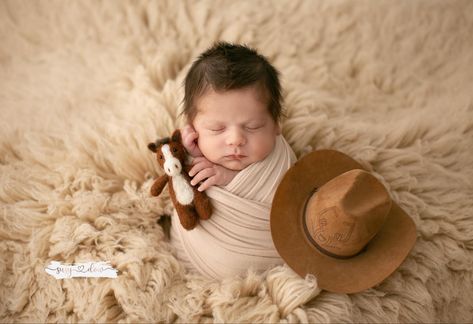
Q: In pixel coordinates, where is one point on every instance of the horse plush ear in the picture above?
(176, 136)
(152, 147)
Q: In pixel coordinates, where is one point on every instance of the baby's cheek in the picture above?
(264, 148)
(207, 146)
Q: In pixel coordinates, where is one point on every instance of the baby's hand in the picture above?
(211, 174)
(189, 140)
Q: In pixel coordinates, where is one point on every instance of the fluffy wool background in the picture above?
(85, 85)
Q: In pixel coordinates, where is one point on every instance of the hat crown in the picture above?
(345, 213)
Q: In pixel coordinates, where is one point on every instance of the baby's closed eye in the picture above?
(217, 129)
(254, 127)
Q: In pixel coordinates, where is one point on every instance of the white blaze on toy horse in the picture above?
(191, 204)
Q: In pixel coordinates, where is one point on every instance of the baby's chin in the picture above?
(236, 165)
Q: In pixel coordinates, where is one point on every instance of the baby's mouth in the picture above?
(235, 156)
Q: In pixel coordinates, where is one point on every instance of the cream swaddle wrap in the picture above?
(237, 236)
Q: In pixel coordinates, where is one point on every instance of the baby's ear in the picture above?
(176, 136)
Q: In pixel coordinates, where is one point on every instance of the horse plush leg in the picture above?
(158, 185)
(187, 216)
(202, 205)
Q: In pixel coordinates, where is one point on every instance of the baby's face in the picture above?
(235, 127)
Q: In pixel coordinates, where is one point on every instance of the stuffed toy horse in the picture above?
(191, 204)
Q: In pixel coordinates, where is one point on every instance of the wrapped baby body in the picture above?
(237, 237)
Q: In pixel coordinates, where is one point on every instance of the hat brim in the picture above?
(381, 257)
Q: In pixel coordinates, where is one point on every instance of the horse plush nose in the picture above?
(172, 167)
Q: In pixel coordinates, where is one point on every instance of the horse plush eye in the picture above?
(174, 150)
(160, 157)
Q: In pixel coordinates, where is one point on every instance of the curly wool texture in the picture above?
(85, 85)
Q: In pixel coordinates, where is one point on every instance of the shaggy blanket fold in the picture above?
(85, 85)
(237, 237)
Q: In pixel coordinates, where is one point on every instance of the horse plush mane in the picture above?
(191, 204)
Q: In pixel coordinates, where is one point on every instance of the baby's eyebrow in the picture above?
(255, 120)
(212, 123)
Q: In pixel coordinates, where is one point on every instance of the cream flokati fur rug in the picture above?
(85, 85)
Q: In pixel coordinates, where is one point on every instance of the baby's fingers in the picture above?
(202, 175)
(192, 137)
(199, 164)
(186, 130)
(190, 140)
(207, 183)
(189, 134)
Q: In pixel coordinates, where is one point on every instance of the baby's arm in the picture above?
(211, 174)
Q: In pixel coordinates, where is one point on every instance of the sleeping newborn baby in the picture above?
(233, 106)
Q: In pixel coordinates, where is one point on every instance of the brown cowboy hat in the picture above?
(332, 219)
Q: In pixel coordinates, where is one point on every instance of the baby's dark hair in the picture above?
(227, 66)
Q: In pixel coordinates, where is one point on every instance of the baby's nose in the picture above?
(236, 138)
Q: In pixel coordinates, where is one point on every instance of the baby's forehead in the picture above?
(259, 92)
(251, 93)
(249, 100)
